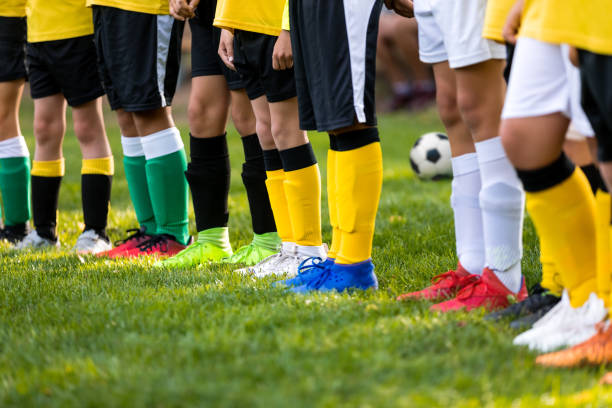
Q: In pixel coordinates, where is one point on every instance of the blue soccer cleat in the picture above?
(309, 270)
(341, 277)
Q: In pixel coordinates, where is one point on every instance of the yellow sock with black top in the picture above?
(358, 186)
(96, 182)
(562, 207)
(46, 181)
(332, 202)
(275, 184)
(551, 277)
(303, 193)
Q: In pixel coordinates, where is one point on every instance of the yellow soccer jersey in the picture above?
(158, 7)
(260, 16)
(13, 8)
(50, 20)
(584, 24)
(497, 12)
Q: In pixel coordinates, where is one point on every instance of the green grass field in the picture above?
(81, 332)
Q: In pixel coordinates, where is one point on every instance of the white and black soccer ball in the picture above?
(430, 156)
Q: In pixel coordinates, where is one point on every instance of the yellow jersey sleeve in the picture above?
(158, 7)
(286, 25)
(50, 20)
(584, 24)
(13, 8)
(495, 18)
(260, 16)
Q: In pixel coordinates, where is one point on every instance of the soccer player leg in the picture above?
(96, 176)
(266, 239)
(14, 164)
(208, 173)
(559, 197)
(48, 168)
(165, 167)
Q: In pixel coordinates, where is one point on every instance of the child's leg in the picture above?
(98, 166)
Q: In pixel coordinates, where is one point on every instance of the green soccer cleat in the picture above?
(262, 246)
(212, 246)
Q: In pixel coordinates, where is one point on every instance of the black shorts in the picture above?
(139, 57)
(12, 48)
(335, 62)
(253, 60)
(64, 66)
(205, 60)
(596, 75)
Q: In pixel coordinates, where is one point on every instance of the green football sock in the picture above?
(136, 175)
(169, 194)
(269, 240)
(15, 189)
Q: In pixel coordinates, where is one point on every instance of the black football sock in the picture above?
(45, 197)
(95, 195)
(208, 176)
(254, 180)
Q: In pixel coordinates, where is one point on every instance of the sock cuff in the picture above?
(50, 168)
(465, 164)
(132, 146)
(162, 143)
(103, 166)
(490, 150)
(298, 158)
(272, 160)
(14, 147)
(252, 148)
(354, 139)
(547, 177)
(208, 148)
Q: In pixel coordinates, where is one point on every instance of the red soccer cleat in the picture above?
(444, 286)
(132, 241)
(163, 245)
(486, 291)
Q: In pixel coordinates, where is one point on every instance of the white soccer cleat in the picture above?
(89, 242)
(274, 264)
(35, 241)
(569, 326)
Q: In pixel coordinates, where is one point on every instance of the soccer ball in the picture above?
(430, 156)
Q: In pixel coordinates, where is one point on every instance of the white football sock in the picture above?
(502, 200)
(468, 216)
(14, 147)
(132, 146)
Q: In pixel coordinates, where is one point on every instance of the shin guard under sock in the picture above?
(254, 180)
(275, 184)
(562, 207)
(96, 182)
(303, 194)
(134, 164)
(208, 175)
(358, 188)
(46, 181)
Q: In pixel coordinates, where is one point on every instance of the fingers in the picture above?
(180, 10)
(227, 54)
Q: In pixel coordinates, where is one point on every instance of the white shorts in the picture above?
(451, 30)
(544, 81)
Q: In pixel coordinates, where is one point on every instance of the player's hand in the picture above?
(513, 22)
(183, 9)
(282, 57)
(574, 57)
(404, 8)
(226, 49)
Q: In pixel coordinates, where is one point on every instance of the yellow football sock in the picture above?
(104, 166)
(303, 193)
(275, 184)
(333, 204)
(358, 186)
(48, 168)
(564, 215)
(551, 278)
(602, 200)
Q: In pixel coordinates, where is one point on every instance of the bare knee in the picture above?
(447, 107)
(87, 131)
(244, 120)
(264, 132)
(207, 119)
(49, 131)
